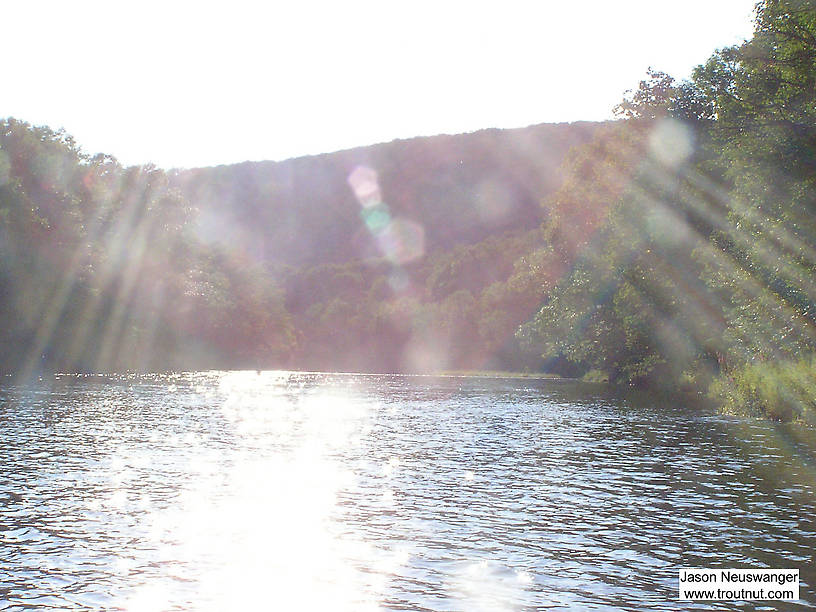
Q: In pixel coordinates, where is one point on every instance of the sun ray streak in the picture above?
(118, 319)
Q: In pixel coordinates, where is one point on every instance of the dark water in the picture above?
(278, 491)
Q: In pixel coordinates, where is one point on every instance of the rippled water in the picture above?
(285, 491)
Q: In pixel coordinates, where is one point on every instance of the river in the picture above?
(302, 491)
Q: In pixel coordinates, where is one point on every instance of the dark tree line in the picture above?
(701, 270)
(100, 269)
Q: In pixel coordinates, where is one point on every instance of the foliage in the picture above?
(781, 391)
(660, 96)
(688, 231)
(100, 269)
(624, 242)
(596, 376)
(765, 95)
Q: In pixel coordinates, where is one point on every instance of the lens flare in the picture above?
(399, 239)
(671, 142)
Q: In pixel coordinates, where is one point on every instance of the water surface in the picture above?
(293, 491)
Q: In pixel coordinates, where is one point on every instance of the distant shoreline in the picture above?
(500, 374)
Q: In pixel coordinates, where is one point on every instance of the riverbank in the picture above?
(501, 374)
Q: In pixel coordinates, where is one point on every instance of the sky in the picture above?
(187, 84)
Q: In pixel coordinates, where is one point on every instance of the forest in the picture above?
(673, 248)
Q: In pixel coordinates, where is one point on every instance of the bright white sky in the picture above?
(203, 83)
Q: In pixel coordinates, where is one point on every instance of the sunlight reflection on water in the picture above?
(260, 531)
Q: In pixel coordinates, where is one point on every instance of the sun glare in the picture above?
(259, 532)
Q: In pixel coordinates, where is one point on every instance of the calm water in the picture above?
(279, 491)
